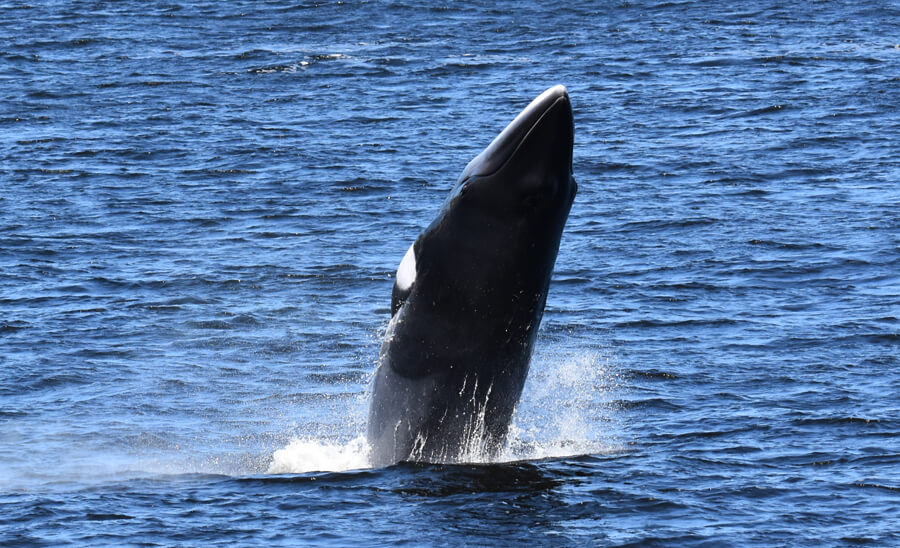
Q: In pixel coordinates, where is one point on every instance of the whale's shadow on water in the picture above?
(507, 502)
(448, 480)
(523, 503)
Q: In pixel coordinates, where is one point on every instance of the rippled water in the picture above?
(202, 206)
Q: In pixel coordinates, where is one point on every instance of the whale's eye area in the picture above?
(534, 199)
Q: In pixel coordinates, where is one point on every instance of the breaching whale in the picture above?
(469, 295)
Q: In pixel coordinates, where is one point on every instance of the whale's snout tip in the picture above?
(559, 90)
(552, 95)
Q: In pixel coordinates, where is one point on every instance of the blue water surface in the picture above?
(202, 206)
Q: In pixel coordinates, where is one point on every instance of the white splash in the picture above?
(566, 407)
(565, 411)
(302, 456)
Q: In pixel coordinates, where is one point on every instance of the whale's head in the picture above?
(494, 243)
(527, 168)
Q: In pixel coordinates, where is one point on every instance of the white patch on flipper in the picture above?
(406, 273)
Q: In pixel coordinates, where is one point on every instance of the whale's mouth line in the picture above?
(531, 130)
(534, 126)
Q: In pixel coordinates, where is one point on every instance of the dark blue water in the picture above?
(202, 206)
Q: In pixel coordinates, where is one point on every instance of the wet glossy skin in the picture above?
(469, 296)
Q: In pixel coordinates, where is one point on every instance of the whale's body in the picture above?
(469, 295)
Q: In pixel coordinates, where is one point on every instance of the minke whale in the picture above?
(469, 295)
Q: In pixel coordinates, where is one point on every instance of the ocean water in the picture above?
(202, 206)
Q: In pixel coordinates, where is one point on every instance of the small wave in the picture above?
(11, 326)
(840, 421)
(667, 224)
(649, 403)
(91, 516)
(869, 485)
(786, 245)
(40, 140)
(717, 61)
(254, 53)
(654, 374)
(328, 56)
(298, 65)
(293, 67)
(656, 323)
(757, 111)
